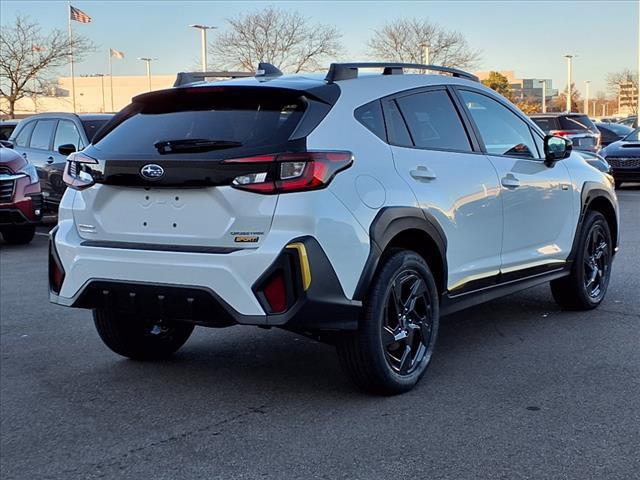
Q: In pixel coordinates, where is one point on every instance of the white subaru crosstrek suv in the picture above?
(356, 209)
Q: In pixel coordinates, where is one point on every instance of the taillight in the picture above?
(560, 133)
(79, 171)
(291, 172)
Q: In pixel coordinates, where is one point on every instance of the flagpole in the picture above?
(111, 79)
(73, 80)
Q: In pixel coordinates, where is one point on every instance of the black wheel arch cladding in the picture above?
(389, 224)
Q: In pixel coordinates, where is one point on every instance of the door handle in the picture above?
(423, 173)
(510, 181)
(50, 159)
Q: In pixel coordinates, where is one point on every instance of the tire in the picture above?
(19, 235)
(586, 286)
(373, 356)
(139, 339)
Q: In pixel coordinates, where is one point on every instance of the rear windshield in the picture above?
(220, 118)
(576, 122)
(92, 126)
(546, 124)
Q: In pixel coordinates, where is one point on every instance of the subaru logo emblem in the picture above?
(152, 171)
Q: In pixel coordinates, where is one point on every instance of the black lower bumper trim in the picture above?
(323, 307)
(158, 247)
(14, 216)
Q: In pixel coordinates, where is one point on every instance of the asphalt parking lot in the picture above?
(518, 389)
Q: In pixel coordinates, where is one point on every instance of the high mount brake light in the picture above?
(78, 173)
(291, 172)
(560, 133)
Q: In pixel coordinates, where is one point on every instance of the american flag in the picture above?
(78, 15)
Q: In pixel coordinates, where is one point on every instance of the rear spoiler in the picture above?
(265, 70)
(185, 78)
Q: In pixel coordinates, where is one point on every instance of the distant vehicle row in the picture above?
(46, 139)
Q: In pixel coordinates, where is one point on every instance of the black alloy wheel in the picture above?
(407, 326)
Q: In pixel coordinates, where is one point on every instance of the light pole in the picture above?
(203, 40)
(569, 73)
(101, 75)
(586, 96)
(544, 96)
(148, 61)
(424, 53)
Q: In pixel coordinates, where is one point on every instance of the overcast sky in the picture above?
(529, 37)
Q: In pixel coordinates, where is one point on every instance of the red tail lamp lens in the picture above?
(291, 172)
(276, 293)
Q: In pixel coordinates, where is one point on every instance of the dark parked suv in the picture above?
(575, 126)
(47, 139)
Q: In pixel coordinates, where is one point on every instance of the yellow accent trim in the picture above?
(304, 264)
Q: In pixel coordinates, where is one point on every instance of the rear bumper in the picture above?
(210, 289)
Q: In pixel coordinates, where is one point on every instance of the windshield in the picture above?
(633, 136)
(620, 130)
(195, 122)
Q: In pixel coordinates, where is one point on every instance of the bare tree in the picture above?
(614, 80)
(286, 39)
(402, 40)
(27, 56)
(625, 83)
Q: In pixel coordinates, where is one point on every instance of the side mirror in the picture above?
(6, 143)
(556, 148)
(66, 149)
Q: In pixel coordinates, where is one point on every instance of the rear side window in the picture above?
(576, 122)
(5, 131)
(433, 121)
(396, 126)
(42, 133)
(22, 140)
(370, 115)
(197, 121)
(502, 131)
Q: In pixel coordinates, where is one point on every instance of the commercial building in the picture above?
(93, 94)
(628, 98)
(525, 88)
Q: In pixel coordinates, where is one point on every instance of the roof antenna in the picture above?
(267, 70)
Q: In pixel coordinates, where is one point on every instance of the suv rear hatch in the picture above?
(166, 166)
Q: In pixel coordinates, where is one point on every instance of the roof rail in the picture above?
(347, 71)
(185, 78)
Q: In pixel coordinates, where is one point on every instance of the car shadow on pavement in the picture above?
(251, 362)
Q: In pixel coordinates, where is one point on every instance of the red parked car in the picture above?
(20, 197)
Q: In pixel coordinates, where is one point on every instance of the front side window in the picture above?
(66, 134)
(41, 138)
(434, 122)
(502, 131)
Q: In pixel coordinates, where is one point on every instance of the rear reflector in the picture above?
(291, 172)
(56, 272)
(276, 293)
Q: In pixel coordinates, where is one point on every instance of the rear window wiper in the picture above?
(193, 145)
